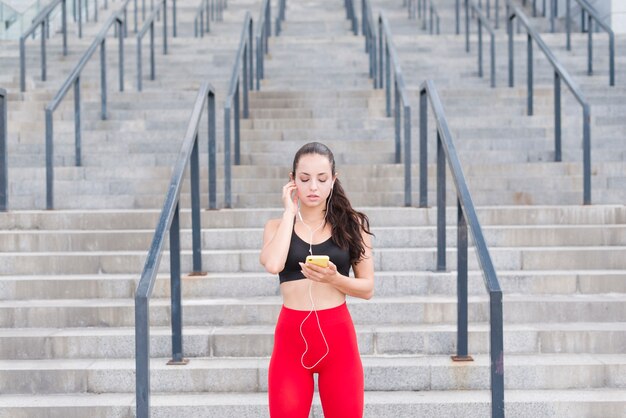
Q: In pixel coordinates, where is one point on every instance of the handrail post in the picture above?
(611, 59)
(511, 47)
(396, 119)
(530, 75)
(174, 18)
(22, 64)
(212, 152)
(423, 148)
(557, 116)
(480, 48)
(80, 19)
(77, 122)
(121, 57)
(139, 65)
(568, 25)
(381, 59)
(64, 25)
(237, 122)
(496, 354)
(4, 169)
(441, 205)
(497, 12)
(586, 155)
(227, 159)
(43, 50)
(103, 78)
(461, 286)
(152, 60)
(407, 155)
(387, 79)
(142, 356)
(250, 68)
(467, 26)
(49, 160)
(590, 46)
(493, 60)
(164, 27)
(457, 22)
(175, 291)
(196, 229)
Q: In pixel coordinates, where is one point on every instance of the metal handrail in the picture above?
(148, 25)
(487, 8)
(74, 80)
(263, 33)
(560, 73)
(402, 106)
(243, 58)
(207, 11)
(351, 15)
(42, 20)
(466, 216)
(169, 221)
(426, 12)
(481, 20)
(4, 166)
(371, 42)
(591, 15)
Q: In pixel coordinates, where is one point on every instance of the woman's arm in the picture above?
(277, 233)
(276, 240)
(361, 286)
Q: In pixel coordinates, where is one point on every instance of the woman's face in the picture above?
(314, 179)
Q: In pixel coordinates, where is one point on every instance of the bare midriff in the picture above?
(296, 295)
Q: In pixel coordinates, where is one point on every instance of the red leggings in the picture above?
(340, 373)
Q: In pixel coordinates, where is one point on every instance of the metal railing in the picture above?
(42, 20)
(481, 21)
(207, 11)
(387, 58)
(560, 73)
(591, 16)
(74, 81)
(351, 16)
(148, 25)
(282, 5)
(371, 40)
(427, 11)
(487, 9)
(169, 221)
(466, 216)
(239, 79)
(4, 166)
(264, 31)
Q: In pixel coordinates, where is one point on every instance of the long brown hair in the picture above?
(347, 224)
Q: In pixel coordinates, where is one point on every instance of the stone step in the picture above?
(232, 239)
(251, 285)
(575, 403)
(396, 373)
(508, 258)
(518, 308)
(116, 219)
(258, 340)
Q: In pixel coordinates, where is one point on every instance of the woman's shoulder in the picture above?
(272, 224)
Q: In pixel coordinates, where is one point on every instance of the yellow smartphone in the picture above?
(319, 260)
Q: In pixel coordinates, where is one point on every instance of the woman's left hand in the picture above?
(320, 274)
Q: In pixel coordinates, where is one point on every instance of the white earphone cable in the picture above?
(319, 326)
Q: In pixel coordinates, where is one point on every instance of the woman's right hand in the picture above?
(290, 197)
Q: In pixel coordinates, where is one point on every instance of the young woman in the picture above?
(315, 333)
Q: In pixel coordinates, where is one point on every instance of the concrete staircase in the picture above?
(67, 277)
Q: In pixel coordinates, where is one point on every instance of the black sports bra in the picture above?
(299, 249)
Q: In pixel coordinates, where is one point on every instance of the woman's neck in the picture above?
(311, 215)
